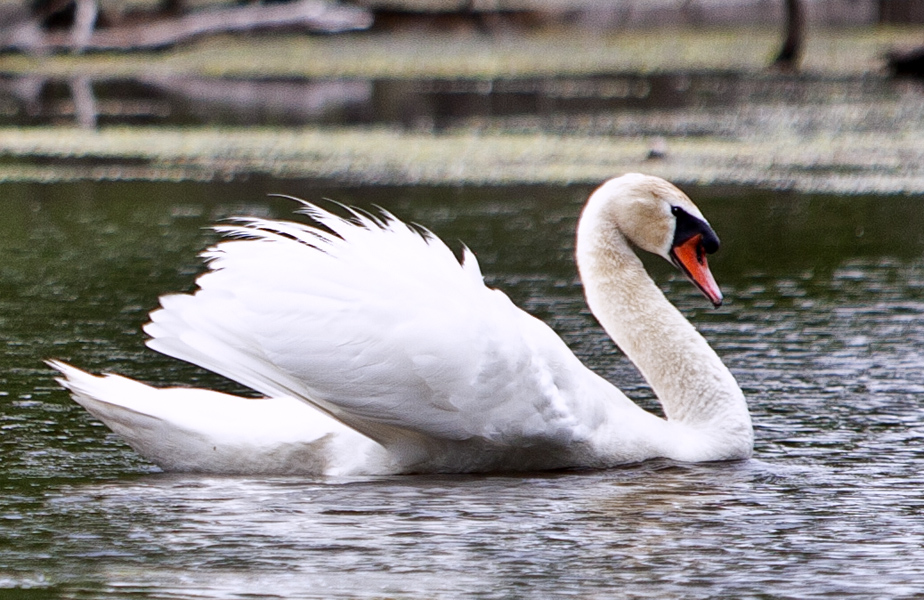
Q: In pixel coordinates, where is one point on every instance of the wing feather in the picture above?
(377, 324)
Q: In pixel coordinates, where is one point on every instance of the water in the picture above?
(661, 103)
(823, 328)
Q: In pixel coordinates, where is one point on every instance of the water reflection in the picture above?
(823, 328)
(687, 103)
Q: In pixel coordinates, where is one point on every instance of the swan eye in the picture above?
(688, 226)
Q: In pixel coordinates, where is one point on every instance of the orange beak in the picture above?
(690, 257)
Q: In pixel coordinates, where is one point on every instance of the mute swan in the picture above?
(380, 353)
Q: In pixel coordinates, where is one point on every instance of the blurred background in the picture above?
(811, 95)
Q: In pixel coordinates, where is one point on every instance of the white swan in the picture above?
(380, 353)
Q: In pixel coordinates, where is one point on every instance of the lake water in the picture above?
(823, 326)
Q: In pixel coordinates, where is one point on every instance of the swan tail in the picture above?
(195, 430)
(108, 397)
(121, 404)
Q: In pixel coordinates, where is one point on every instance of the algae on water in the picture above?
(841, 125)
(845, 163)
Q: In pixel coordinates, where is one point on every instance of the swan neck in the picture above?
(690, 380)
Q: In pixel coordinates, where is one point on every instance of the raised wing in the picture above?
(378, 325)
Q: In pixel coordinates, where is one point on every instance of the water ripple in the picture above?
(826, 345)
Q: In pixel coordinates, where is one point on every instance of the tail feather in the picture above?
(103, 396)
(195, 430)
(119, 403)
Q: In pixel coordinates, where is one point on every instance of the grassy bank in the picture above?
(547, 53)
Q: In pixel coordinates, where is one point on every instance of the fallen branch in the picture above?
(315, 15)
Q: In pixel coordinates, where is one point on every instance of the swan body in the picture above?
(379, 352)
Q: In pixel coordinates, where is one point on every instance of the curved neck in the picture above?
(691, 382)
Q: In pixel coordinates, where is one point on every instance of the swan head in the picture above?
(654, 215)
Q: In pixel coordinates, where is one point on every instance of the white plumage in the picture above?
(380, 353)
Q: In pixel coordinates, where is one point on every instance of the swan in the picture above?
(378, 352)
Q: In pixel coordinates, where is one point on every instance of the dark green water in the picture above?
(823, 327)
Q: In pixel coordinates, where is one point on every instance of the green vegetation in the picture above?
(831, 134)
(847, 164)
(547, 53)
